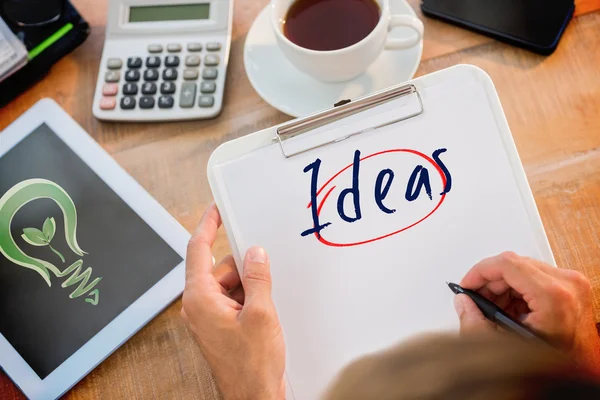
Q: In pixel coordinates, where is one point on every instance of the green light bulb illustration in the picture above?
(12, 201)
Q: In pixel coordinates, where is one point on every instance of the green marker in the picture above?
(49, 41)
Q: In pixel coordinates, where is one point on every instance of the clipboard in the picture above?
(364, 206)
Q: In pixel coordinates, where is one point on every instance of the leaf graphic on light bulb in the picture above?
(11, 202)
(49, 228)
(35, 237)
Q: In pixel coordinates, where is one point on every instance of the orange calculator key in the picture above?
(108, 103)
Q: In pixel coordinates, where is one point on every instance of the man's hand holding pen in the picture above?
(553, 302)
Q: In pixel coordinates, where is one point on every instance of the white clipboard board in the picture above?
(364, 207)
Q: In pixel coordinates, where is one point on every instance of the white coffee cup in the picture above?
(348, 62)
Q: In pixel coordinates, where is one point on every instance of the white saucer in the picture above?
(293, 92)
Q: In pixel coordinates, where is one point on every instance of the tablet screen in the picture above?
(73, 254)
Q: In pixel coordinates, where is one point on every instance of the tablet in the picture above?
(87, 256)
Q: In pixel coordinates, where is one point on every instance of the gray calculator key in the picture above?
(148, 88)
(171, 61)
(153, 62)
(112, 76)
(133, 75)
(173, 47)
(134, 62)
(169, 74)
(151, 74)
(167, 87)
(213, 46)
(114, 63)
(210, 73)
(192, 61)
(208, 87)
(188, 94)
(211, 60)
(146, 102)
(130, 88)
(190, 74)
(165, 102)
(155, 48)
(206, 101)
(194, 46)
(128, 103)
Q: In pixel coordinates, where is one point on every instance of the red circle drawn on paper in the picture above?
(320, 206)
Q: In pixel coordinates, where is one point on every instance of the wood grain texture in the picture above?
(586, 6)
(551, 104)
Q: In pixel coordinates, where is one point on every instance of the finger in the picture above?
(256, 278)
(498, 288)
(515, 271)
(199, 260)
(238, 295)
(471, 318)
(549, 269)
(487, 293)
(517, 308)
(226, 274)
(499, 293)
(503, 300)
(184, 315)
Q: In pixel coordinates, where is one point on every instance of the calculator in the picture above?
(163, 60)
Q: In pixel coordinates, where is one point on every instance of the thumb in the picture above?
(471, 318)
(256, 277)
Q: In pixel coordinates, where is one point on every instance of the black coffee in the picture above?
(330, 24)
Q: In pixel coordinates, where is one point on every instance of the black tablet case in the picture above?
(37, 68)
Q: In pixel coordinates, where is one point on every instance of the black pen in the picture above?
(494, 313)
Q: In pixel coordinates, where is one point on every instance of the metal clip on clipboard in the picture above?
(297, 127)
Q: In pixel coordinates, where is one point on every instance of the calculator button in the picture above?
(170, 74)
(208, 87)
(188, 94)
(155, 48)
(213, 46)
(190, 74)
(171, 61)
(167, 87)
(112, 76)
(165, 102)
(206, 101)
(148, 88)
(130, 88)
(194, 46)
(151, 74)
(210, 73)
(153, 62)
(128, 103)
(110, 89)
(134, 62)
(133, 75)
(108, 103)
(192, 61)
(114, 63)
(146, 102)
(211, 60)
(173, 47)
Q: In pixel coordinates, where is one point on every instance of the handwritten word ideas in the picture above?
(351, 197)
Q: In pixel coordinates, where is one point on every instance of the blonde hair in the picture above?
(496, 367)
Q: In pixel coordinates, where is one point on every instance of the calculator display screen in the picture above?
(174, 12)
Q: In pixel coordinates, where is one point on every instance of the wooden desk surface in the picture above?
(552, 105)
